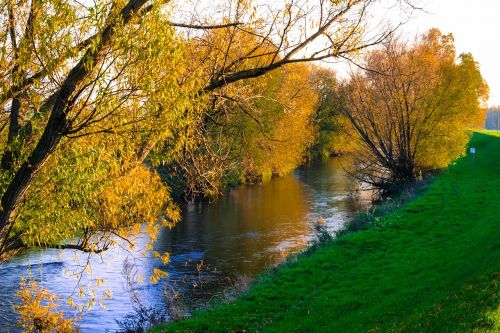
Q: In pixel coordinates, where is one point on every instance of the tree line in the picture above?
(404, 113)
(97, 99)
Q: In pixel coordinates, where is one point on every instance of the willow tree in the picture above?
(88, 90)
(410, 111)
(80, 89)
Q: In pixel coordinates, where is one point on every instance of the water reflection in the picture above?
(244, 232)
(240, 232)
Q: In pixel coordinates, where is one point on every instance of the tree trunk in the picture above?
(54, 130)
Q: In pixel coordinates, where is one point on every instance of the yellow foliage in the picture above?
(140, 191)
(292, 132)
(95, 184)
(412, 111)
(38, 310)
(157, 275)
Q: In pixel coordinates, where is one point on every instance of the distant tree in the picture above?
(491, 120)
(410, 111)
(327, 118)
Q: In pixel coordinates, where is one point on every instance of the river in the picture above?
(242, 234)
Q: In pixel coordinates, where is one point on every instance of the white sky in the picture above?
(475, 25)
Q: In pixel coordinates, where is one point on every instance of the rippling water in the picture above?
(242, 234)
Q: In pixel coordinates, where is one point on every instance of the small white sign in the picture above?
(472, 150)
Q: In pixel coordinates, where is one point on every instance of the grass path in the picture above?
(431, 266)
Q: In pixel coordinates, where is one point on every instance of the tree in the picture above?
(327, 118)
(78, 90)
(411, 109)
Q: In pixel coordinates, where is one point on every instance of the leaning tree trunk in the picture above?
(20, 183)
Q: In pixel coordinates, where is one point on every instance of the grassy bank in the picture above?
(430, 266)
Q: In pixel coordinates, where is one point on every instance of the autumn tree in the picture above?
(410, 110)
(292, 133)
(80, 90)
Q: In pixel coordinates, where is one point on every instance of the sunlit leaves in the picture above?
(39, 310)
(157, 275)
(290, 131)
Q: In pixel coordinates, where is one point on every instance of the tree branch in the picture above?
(205, 27)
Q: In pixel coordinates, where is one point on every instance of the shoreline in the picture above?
(428, 253)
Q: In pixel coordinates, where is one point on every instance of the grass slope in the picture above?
(431, 266)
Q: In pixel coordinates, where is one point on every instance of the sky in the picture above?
(475, 25)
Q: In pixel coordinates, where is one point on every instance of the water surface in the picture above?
(241, 234)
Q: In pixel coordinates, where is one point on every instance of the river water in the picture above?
(248, 230)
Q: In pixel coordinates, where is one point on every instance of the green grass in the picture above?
(430, 266)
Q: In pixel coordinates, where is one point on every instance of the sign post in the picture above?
(473, 152)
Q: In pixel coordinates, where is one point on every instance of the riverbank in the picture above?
(431, 266)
